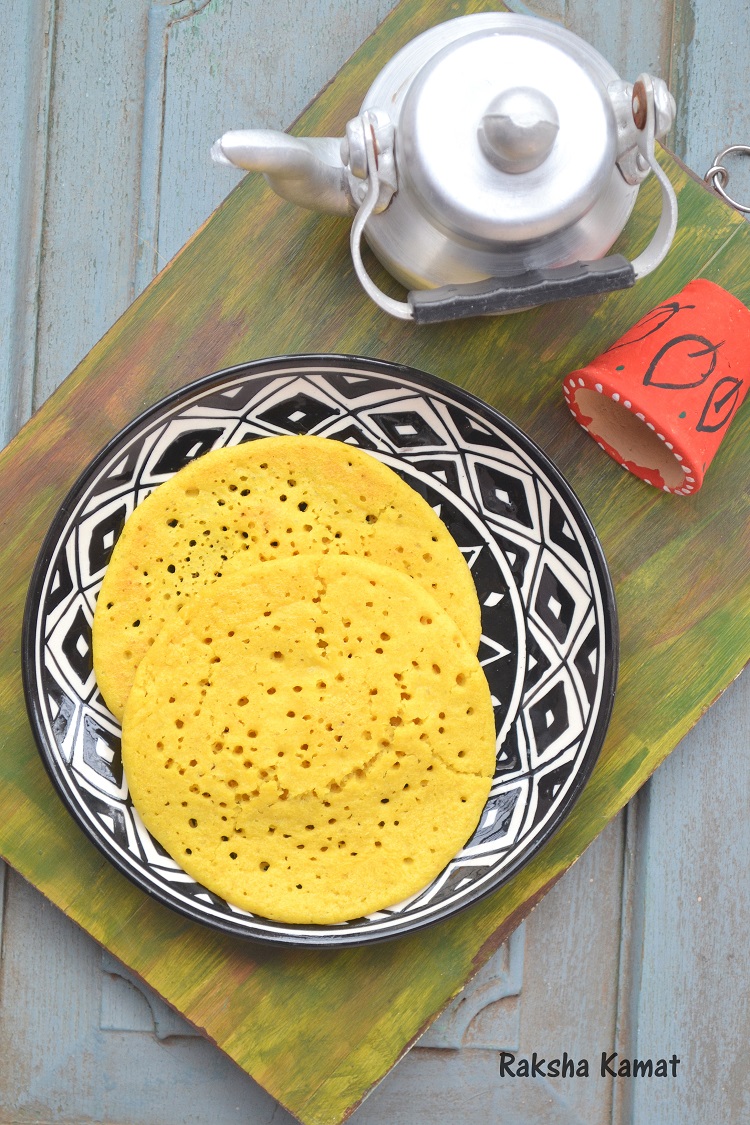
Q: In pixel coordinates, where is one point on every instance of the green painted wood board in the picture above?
(262, 278)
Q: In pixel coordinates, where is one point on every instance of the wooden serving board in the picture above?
(318, 1030)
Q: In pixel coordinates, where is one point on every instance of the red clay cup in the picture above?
(661, 398)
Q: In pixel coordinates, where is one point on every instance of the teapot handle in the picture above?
(521, 291)
(535, 287)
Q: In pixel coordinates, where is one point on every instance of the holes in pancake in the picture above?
(193, 822)
(264, 865)
(425, 619)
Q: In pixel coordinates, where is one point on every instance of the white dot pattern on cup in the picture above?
(688, 483)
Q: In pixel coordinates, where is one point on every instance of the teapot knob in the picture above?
(518, 129)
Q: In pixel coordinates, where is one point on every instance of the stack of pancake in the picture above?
(288, 633)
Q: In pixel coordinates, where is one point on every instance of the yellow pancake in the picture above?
(271, 499)
(313, 740)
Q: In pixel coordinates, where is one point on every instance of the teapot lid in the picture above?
(507, 134)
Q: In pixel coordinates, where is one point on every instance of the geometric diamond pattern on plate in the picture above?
(181, 444)
(62, 711)
(500, 668)
(458, 876)
(559, 530)
(70, 645)
(518, 554)
(358, 386)
(233, 399)
(97, 757)
(474, 432)
(553, 719)
(559, 602)
(505, 494)
(350, 433)
(548, 786)
(538, 661)
(554, 605)
(509, 757)
(586, 659)
(298, 413)
(448, 471)
(408, 429)
(62, 581)
(119, 476)
(97, 536)
(115, 818)
(500, 821)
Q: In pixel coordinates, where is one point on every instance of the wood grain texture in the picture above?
(27, 55)
(71, 1077)
(694, 921)
(92, 162)
(244, 329)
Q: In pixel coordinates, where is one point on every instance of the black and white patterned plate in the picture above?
(549, 630)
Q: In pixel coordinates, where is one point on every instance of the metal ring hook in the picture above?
(717, 175)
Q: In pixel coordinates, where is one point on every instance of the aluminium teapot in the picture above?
(495, 160)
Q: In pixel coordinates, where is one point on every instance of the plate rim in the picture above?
(369, 365)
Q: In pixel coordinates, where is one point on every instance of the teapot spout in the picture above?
(307, 171)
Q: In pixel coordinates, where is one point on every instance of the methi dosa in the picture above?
(313, 740)
(270, 499)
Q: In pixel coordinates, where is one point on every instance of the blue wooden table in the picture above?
(109, 111)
